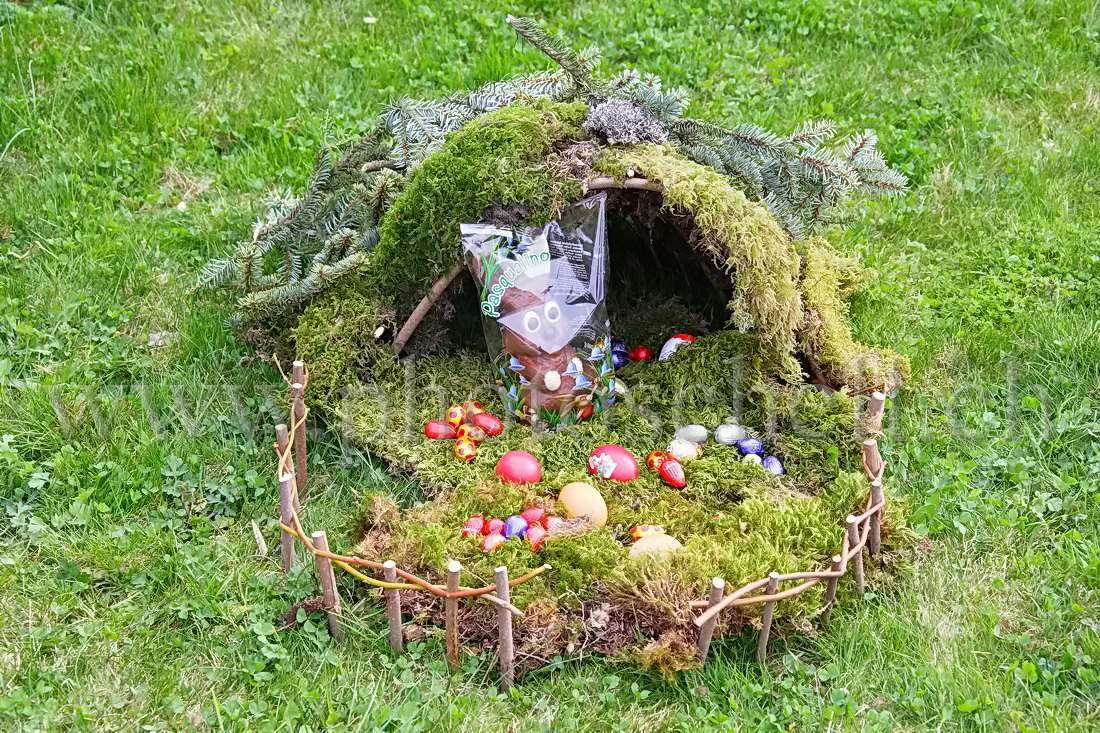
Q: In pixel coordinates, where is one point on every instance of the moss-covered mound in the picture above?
(785, 316)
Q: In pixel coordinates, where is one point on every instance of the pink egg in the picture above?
(519, 467)
(613, 462)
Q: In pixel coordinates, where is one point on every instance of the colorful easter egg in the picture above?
(672, 473)
(580, 499)
(465, 449)
(534, 515)
(674, 343)
(640, 353)
(774, 465)
(473, 525)
(492, 542)
(655, 544)
(553, 524)
(752, 458)
(493, 525)
(469, 431)
(619, 359)
(644, 530)
(515, 526)
(693, 433)
(751, 446)
(471, 408)
(729, 433)
(519, 467)
(454, 416)
(613, 462)
(439, 430)
(655, 458)
(489, 423)
(684, 450)
(617, 344)
(536, 536)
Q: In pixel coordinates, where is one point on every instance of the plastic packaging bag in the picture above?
(542, 306)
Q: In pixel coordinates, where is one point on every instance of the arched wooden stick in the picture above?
(830, 590)
(454, 573)
(423, 307)
(706, 631)
(286, 501)
(393, 606)
(766, 621)
(328, 587)
(874, 539)
(857, 558)
(298, 414)
(506, 652)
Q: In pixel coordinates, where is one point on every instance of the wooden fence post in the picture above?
(328, 586)
(706, 631)
(507, 652)
(874, 539)
(875, 409)
(454, 573)
(872, 457)
(766, 622)
(857, 555)
(830, 589)
(286, 501)
(297, 415)
(282, 443)
(393, 606)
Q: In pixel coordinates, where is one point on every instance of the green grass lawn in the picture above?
(137, 143)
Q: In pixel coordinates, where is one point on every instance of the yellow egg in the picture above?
(578, 498)
(655, 544)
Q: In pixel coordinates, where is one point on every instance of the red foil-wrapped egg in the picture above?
(673, 473)
(471, 432)
(553, 524)
(439, 430)
(489, 423)
(534, 515)
(492, 542)
(536, 536)
(454, 416)
(473, 525)
(640, 353)
(494, 525)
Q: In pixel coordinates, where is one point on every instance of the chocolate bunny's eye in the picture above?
(532, 323)
(552, 311)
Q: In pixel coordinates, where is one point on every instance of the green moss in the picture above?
(499, 158)
(828, 281)
(738, 233)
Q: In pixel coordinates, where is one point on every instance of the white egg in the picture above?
(684, 450)
(552, 380)
(752, 458)
(729, 433)
(694, 433)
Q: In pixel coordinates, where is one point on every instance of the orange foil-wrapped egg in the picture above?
(454, 415)
(465, 449)
(644, 530)
(471, 432)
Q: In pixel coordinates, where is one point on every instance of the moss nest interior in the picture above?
(696, 257)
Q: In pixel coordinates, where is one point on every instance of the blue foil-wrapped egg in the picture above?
(774, 465)
(751, 446)
(617, 344)
(515, 526)
(619, 359)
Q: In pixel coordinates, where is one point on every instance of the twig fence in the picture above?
(864, 532)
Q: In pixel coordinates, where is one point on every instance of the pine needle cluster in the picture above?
(305, 244)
